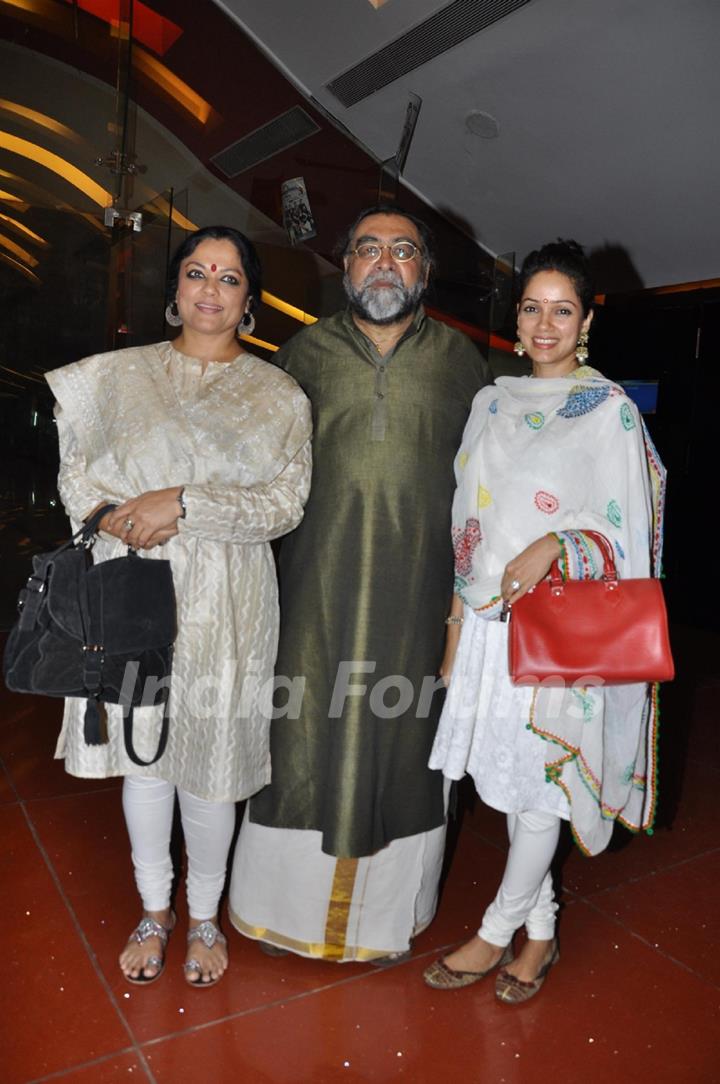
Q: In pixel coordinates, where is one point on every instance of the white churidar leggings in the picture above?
(526, 895)
(208, 829)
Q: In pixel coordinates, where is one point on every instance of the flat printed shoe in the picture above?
(441, 977)
(513, 991)
(148, 927)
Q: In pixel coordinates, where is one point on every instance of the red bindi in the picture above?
(213, 267)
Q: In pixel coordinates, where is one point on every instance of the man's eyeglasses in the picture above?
(401, 251)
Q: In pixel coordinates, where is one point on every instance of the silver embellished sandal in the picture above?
(148, 927)
(210, 935)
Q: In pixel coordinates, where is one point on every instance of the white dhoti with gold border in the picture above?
(289, 893)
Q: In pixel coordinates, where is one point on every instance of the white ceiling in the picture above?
(607, 114)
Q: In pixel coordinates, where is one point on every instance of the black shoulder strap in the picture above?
(162, 742)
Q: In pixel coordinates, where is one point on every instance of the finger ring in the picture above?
(128, 524)
(515, 585)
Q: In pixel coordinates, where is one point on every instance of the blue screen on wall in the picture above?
(644, 393)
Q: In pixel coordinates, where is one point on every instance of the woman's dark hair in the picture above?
(427, 240)
(568, 258)
(246, 252)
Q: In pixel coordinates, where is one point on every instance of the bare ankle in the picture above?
(163, 917)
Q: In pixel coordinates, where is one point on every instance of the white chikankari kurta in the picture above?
(238, 438)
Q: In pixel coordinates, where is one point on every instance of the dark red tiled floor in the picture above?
(52, 1001)
(388, 1026)
(636, 996)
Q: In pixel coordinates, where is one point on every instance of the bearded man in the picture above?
(340, 857)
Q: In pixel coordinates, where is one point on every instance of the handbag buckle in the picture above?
(505, 612)
(28, 592)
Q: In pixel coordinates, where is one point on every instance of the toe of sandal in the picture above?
(148, 927)
(210, 935)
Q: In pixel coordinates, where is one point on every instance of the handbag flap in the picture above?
(65, 571)
(131, 602)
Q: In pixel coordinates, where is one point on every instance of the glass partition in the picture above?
(84, 243)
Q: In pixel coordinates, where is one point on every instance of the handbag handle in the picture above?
(36, 583)
(90, 526)
(609, 575)
(557, 583)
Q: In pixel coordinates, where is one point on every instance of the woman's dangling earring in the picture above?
(519, 349)
(581, 350)
(246, 325)
(172, 316)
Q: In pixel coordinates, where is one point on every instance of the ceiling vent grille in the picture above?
(275, 136)
(448, 27)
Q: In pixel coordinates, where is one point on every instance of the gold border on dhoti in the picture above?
(315, 949)
(335, 947)
(338, 913)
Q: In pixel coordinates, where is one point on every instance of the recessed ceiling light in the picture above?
(482, 124)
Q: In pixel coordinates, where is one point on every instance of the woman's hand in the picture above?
(160, 538)
(104, 524)
(452, 639)
(144, 521)
(529, 567)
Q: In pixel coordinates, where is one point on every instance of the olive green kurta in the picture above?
(368, 577)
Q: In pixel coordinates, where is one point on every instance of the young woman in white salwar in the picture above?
(205, 451)
(544, 459)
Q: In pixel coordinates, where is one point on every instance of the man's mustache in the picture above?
(388, 277)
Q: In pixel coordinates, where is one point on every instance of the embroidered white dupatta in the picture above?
(542, 455)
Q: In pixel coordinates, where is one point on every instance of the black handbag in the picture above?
(103, 632)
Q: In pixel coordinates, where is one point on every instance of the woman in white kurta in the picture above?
(542, 460)
(205, 450)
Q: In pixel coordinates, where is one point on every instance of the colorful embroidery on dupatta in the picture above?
(582, 400)
(464, 544)
(579, 556)
(546, 502)
(614, 513)
(626, 417)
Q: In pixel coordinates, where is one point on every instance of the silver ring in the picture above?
(128, 524)
(515, 585)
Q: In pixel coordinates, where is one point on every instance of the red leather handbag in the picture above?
(608, 631)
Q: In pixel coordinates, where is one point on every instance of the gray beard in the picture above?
(383, 304)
